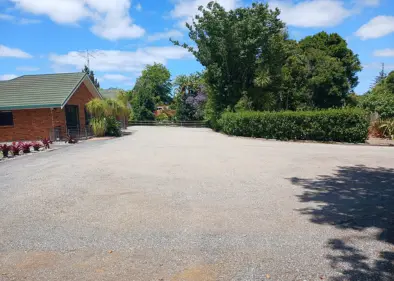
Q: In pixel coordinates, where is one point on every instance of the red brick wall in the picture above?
(81, 97)
(32, 124)
(35, 124)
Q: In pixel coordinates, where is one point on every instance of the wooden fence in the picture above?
(192, 124)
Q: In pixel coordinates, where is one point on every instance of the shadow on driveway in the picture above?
(357, 198)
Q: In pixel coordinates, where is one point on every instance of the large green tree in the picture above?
(157, 78)
(332, 69)
(143, 104)
(151, 88)
(293, 93)
(381, 98)
(241, 49)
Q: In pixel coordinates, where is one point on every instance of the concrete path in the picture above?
(191, 204)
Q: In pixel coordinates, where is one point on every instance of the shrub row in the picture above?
(341, 125)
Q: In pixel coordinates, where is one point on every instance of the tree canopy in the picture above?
(250, 63)
(238, 48)
(143, 104)
(380, 98)
(151, 88)
(157, 78)
(333, 68)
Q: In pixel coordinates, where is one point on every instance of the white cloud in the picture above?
(6, 17)
(312, 13)
(11, 18)
(117, 28)
(384, 53)
(28, 21)
(138, 7)
(378, 66)
(115, 77)
(7, 77)
(377, 27)
(27, 68)
(372, 3)
(115, 60)
(13, 53)
(60, 11)
(111, 19)
(185, 10)
(115, 22)
(165, 35)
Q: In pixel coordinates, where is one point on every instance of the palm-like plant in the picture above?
(101, 110)
(115, 108)
(98, 126)
(98, 108)
(388, 128)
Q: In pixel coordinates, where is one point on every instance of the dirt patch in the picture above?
(36, 260)
(198, 273)
(381, 142)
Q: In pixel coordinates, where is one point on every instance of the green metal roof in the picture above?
(109, 93)
(38, 91)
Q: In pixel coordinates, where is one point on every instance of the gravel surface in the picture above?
(192, 204)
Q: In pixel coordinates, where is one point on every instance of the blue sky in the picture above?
(49, 36)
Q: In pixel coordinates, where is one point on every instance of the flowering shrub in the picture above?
(5, 149)
(26, 147)
(190, 98)
(36, 146)
(46, 142)
(16, 148)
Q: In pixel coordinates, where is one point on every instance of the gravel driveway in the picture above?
(191, 204)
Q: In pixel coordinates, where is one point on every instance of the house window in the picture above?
(6, 118)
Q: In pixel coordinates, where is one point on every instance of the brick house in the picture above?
(49, 105)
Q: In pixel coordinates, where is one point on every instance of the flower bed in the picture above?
(20, 148)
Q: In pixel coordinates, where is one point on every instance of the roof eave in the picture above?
(77, 87)
(34, 106)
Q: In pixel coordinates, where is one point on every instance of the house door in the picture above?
(72, 117)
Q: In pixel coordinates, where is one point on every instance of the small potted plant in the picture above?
(36, 146)
(16, 148)
(26, 147)
(46, 142)
(71, 140)
(5, 149)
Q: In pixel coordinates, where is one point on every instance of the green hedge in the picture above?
(342, 125)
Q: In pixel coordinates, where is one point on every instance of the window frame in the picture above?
(12, 119)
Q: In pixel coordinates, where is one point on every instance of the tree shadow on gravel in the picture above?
(356, 266)
(357, 198)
